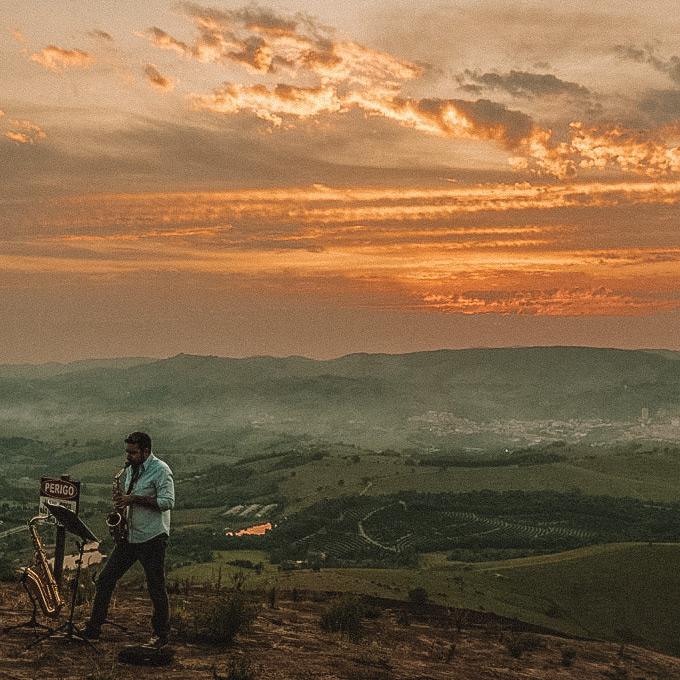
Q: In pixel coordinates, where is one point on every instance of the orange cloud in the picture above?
(55, 58)
(158, 81)
(455, 250)
(24, 131)
(267, 104)
(563, 302)
(163, 41)
(153, 234)
(354, 206)
(18, 35)
(263, 42)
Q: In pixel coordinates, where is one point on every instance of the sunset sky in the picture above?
(318, 178)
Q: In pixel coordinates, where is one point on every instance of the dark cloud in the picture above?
(662, 105)
(253, 17)
(631, 53)
(490, 114)
(522, 84)
(645, 55)
(102, 35)
(157, 80)
(671, 67)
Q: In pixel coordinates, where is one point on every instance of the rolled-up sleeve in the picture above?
(165, 489)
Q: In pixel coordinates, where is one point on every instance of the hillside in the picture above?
(287, 643)
(422, 399)
(621, 593)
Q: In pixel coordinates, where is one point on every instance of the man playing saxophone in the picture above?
(146, 502)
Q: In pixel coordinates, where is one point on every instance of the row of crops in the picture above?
(384, 527)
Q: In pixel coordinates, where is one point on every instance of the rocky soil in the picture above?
(287, 643)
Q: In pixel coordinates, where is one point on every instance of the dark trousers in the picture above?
(151, 556)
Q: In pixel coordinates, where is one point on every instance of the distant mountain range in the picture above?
(360, 397)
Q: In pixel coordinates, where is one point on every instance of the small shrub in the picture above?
(443, 652)
(271, 597)
(417, 597)
(457, 617)
(403, 618)
(568, 656)
(215, 622)
(518, 643)
(239, 580)
(103, 674)
(371, 610)
(617, 673)
(495, 630)
(239, 669)
(344, 616)
(86, 590)
(373, 657)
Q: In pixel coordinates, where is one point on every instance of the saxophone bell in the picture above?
(113, 519)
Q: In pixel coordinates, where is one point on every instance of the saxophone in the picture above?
(116, 520)
(39, 581)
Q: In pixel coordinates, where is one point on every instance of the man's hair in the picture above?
(142, 439)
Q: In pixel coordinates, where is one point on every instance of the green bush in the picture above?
(518, 643)
(216, 622)
(418, 597)
(344, 616)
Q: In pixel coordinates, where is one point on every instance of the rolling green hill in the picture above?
(423, 399)
(626, 593)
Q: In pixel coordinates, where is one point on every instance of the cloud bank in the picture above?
(308, 73)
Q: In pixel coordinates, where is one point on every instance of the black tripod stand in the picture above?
(75, 526)
(72, 633)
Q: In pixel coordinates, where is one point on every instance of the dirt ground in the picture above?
(286, 643)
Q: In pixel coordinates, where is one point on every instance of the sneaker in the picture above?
(156, 642)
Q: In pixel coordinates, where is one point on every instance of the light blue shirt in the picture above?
(155, 480)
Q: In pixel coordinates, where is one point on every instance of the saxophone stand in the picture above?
(75, 526)
(33, 621)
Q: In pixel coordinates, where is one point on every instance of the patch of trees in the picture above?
(222, 485)
(287, 459)
(524, 458)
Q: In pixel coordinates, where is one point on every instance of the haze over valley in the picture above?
(476, 399)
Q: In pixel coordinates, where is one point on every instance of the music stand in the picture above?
(71, 522)
(74, 525)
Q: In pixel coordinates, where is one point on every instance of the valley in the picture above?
(556, 513)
